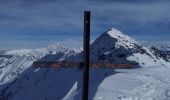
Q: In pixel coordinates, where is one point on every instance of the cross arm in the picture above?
(80, 65)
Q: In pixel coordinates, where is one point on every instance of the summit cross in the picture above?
(86, 64)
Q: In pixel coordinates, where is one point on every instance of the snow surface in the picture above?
(147, 83)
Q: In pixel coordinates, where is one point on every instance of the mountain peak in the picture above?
(121, 38)
(114, 32)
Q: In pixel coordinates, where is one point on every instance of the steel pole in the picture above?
(86, 55)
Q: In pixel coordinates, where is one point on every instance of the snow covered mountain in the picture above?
(165, 49)
(116, 47)
(163, 45)
(65, 84)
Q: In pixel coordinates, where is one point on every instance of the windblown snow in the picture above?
(150, 80)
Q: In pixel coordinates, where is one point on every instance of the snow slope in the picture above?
(150, 82)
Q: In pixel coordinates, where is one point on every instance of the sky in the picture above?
(38, 23)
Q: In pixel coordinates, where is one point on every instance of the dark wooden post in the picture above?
(86, 55)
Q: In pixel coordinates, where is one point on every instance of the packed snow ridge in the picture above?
(19, 80)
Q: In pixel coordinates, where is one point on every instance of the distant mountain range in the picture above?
(162, 45)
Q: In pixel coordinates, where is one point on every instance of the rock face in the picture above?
(34, 83)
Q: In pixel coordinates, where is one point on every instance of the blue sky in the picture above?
(38, 23)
